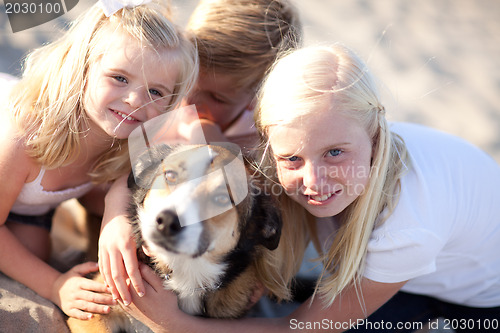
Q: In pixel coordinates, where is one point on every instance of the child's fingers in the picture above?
(96, 298)
(95, 286)
(105, 268)
(132, 267)
(118, 275)
(79, 314)
(151, 278)
(90, 308)
(86, 268)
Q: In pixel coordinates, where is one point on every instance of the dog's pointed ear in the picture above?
(131, 181)
(144, 166)
(268, 216)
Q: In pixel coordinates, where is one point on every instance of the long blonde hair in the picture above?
(242, 38)
(334, 79)
(47, 103)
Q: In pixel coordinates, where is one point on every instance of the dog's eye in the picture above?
(221, 199)
(171, 176)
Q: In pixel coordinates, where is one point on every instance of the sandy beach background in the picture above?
(439, 60)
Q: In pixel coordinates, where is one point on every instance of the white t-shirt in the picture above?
(444, 234)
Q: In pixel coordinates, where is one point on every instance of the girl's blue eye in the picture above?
(293, 159)
(120, 79)
(334, 152)
(155, 92)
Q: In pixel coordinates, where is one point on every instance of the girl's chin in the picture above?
(123, 132)
(325, 210)
(322, 212)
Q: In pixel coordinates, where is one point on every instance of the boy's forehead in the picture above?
(224, 83)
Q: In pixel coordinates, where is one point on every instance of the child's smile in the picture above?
(129, 84)
(323, 164)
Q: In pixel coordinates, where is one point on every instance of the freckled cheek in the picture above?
(358, 180)
(154, 112)
(100, 94)
(288, 179)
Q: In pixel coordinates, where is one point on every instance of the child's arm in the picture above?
(93, 201)
(17, 262)
(77, 296)
(159, 310)
(117, 247)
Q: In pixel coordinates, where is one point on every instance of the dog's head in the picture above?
(200, 201)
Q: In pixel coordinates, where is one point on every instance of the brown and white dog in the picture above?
(204, 222)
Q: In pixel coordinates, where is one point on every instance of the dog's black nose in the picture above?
(168, 222)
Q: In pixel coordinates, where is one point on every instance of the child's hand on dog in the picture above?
(118, 259)
(80, 297)
(117, 248)
(157, 308)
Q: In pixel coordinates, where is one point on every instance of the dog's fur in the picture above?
(209, 265)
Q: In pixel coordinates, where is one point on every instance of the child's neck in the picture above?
(93, 145)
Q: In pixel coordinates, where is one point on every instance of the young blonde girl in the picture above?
(233, 63)
(64, 129)
(395, 209)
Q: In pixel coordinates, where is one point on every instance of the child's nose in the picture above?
(313, 177)
(134, 98)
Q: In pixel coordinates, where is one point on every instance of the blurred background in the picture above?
(438, 60)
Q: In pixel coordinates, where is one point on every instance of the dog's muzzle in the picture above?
(167, 222)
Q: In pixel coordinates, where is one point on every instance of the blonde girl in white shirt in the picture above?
(394, 209)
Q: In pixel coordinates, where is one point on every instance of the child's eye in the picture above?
(287, 159)
(217, 99)
(120, 78)
(288, 162)
(334, 152)
(155, 92)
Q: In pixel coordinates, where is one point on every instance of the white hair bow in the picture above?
(112, 6)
